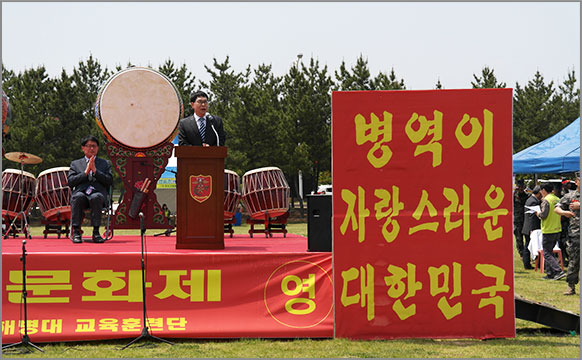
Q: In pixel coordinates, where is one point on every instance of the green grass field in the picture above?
(532, 340)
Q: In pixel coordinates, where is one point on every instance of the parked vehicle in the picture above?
(324, 189)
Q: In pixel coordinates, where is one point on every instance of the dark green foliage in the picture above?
(488, 80)
(306, 99)
(359, 78)
(183, 80)
(540, 111)
(269, 120)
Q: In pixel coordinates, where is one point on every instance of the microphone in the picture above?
(141, 222)
(211, 118)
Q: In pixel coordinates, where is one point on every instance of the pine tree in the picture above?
(254, 128)
(183, 80)
(533, 112)
(387, 82)
(357, 79)
(33, 124)
(569, 96)
(307, 117)
(488, 80)
(223, 87)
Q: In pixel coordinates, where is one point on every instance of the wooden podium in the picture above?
(200, 197)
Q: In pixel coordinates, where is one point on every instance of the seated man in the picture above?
(89, 178)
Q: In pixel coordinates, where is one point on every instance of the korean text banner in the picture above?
(99, 296)
(422, 214)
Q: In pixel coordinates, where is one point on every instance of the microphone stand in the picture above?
(145, 333)
(25, 339)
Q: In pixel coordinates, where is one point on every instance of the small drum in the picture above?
(265, 190)
(53, 194)
(139, 108)
(232, 193)
(17, 192)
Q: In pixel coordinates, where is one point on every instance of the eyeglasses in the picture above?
(92, 146)
(202, 102)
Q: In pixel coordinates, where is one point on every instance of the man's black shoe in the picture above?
(77, 239)
(98, 239)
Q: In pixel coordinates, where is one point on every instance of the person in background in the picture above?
(551, 229)
(166, 211)
(519, 198)
(201, 129)
(531, 223)
(563, 242)
(168, 215)
(569, 207)
(89, 179)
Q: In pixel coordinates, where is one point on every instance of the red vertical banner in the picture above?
(422, 214)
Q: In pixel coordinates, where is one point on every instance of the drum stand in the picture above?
(25, 339)
(24, 227)
(145, 333)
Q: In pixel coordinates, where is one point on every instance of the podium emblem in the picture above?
(200, 187)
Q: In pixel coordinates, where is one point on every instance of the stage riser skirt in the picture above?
(93, 296)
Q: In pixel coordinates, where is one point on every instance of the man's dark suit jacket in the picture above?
(188, 133)
(101, 180)
(531, 221)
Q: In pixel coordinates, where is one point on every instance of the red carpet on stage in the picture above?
(239, 243)
(256, 287)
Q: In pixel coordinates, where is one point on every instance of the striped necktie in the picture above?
(202, 128)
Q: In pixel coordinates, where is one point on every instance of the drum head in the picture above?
(18, 172)
(263, 169)
(139, 108)
(52, 170)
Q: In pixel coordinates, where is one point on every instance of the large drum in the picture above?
(265, 190)
(17, 195)
(232, 193)
(53, 194)
(139, 108)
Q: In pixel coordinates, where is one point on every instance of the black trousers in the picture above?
(552, 265)
(519, 237)
(81, 201)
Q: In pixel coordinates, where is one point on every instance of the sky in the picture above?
(422, 41)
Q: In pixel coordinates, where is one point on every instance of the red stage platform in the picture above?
(255, 287)
(157, 244)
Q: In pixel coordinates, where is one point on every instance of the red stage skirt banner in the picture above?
(99, 296)
(422, 214)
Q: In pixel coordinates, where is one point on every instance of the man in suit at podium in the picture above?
(89, 179)
(201, 129)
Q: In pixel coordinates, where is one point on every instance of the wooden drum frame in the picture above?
(53, 194)
(232, 193)
(12, 204)
(265, 191)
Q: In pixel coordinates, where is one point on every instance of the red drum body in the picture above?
(16, 198)
(265, 190)
(139, 108)
(53, 194)
(232, 193)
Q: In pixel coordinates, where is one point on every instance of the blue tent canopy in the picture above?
(168, 178)
(557, 154)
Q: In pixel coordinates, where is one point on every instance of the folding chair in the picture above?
(108, 210)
